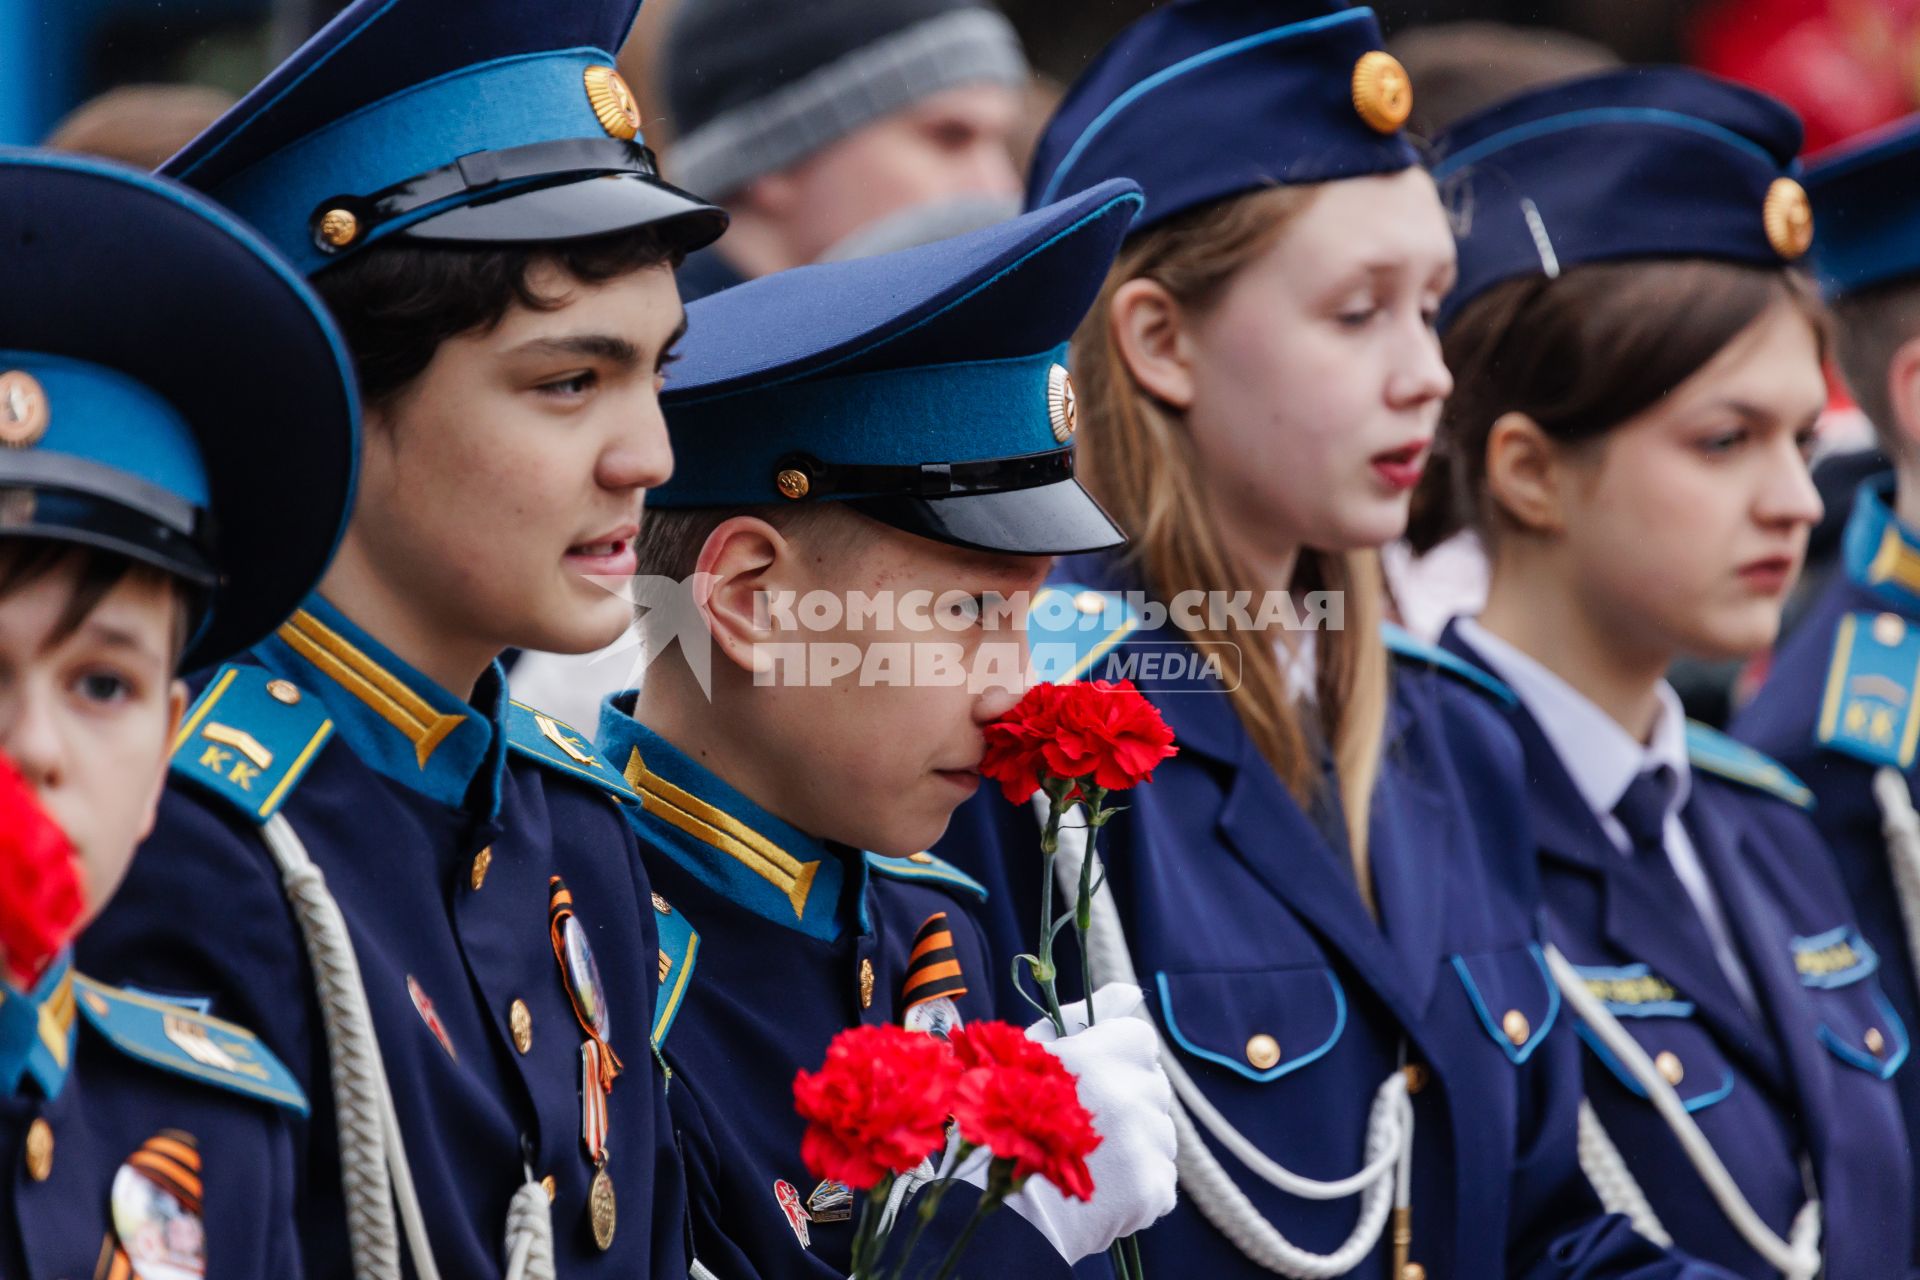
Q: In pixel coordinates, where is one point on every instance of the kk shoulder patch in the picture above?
(1867, 708)
(539, 737)
(1711, 751)
(178, 1039)
(926, 869)
(679, 945)
(1070, 628)
(1407, 647)
(249, 738)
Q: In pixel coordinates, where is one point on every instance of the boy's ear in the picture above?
(1903, 394)
(740, 566)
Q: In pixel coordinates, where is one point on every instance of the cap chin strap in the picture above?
(1384, 1183)
(1797, 1257)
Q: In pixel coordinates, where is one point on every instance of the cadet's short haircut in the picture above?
(24, 561)
(670, 538)
(1873, 325)
(397, 302)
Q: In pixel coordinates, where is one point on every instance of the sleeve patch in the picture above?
(188, 1043)
(249, 738)
(679, 947)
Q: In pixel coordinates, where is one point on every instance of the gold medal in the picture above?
(600, 1208)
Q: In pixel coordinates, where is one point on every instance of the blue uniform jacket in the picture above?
(1838, 705)
(438, 826)
(798, 940)
(1802, 1078)
(94, 1081)
(1244, 920)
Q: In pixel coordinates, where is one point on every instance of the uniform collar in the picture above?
(37, 1030)
(1602, 758)
(1881, 553)
(728, 842)
(399, 722)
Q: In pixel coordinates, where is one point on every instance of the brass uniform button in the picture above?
(1668, 1064)
(1417, 1076)
(338, 228)
(1516, 1027)
(1787, 216)
(1090, 602)
(1382, 91)
(481, 861)
(1413, 1271)
(283, 691)
(660, 904)
(520, 1022)
(552, 1188)
(1876, 1043)
(1263, 1051)
(866, 984)
(792, 483)
(1889, 629)
(922, 858)
(39, 1150)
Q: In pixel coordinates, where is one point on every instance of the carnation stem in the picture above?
(999, 1185)
(923, 1213)
(1083, 905)
(1045, 974)
(863, 1236)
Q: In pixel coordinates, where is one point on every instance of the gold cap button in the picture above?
(1263, 1051)
(520, 1022)
(481, 861)
(1516, 1027)
(1090, 602)
(866, 984)
(1876, 1043)
(338, 227)
(283, 691)
(552, 1188)
(1417, 1076)
(39, 1150)
(1668, 1064)
(1889, 629)
(793, 484)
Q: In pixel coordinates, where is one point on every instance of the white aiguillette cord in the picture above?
(1902, 828)
(1383, 1184)
(1797, 1258)
(374, 1171)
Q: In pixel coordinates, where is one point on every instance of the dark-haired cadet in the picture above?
(1838, 707)
(146, 338)
(1638, 367)
(466, 185)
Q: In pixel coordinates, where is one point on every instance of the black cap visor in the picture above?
(1057, 519)
(578, 209)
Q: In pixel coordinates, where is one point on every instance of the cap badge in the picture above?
(23, 409)
(1788, 217)
(1063, 407)
(1382, 91)
(613, 102)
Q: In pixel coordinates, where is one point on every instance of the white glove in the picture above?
(1122, 1086)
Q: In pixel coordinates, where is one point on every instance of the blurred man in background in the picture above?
(818, 126)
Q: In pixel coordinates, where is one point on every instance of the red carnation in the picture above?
(40, 896)
(1105, 731)
(877, 1106)
(1021, 1103)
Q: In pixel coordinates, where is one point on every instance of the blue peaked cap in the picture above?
(1205, 99)
(926, 388)
(170, 390)
(1649, 162)
(452, 121)
(1866, 199)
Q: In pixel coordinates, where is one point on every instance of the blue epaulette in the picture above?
(1867, 707)
(538, 736)
(1069, 629)
(249, 738)
(924, 868)
(186, 1042)
(679, 945)
(1714, 752)
(1404, 644)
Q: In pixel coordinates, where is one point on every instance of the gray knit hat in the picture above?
(756, 86)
